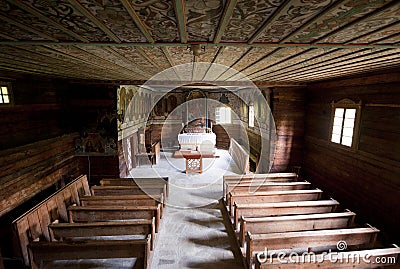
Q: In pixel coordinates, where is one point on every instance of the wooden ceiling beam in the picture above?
(26, 27)
(351, 53)
(89, 63)
(136, 19)
(93, 19)
(145, 56)
(238, 60)
(8, 37)
(271, 19)
(120, 67)
(169, 59)
(222, 44)
(123, 58)
(42, 17)
(226, 17)
(96, 70)
(179, 6)
(331, 33)
(351, 40)
(36, 68)
(344, 63)
(346, 71)
(219, 51)
(307, 67)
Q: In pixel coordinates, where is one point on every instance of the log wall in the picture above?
(288, 109)
(365, 180)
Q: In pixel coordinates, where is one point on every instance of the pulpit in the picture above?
(194, 161)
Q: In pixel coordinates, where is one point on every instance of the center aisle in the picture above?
(194, 238)
(192, 232)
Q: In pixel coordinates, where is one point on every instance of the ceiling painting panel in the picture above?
(63, 12)
(338, 17)
(31, 20)
(18, 33)
(375, 37)
(159, 18)
(202, 18)
(387, 17)
(298, 13)
(247, 17)
(115, 17)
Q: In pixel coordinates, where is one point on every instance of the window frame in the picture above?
(225, 107)
(9, 93)
(346, 104)
(251, 115)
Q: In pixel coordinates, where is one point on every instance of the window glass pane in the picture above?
(349, 123)
(251, 116)
(335, 138)
(337, 130)
(4, 90)
(350, 113)
(348, 132)
(337, 121)
(347, 141)
(339, 112)
(1, 99)
(6, 99)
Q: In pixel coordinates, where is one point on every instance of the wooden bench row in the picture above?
(294, 221)
(129, 212)
(34, 223)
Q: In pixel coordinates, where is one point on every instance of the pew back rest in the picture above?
(33, 224)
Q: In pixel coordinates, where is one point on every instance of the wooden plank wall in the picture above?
(287, 105)
(30, 169)
(37, 113)
(366, 180)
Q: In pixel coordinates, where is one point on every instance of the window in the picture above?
(251, 115)
(5, 94)
(345, 123)
(223, 115)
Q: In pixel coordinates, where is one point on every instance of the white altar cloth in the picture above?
(193, 140)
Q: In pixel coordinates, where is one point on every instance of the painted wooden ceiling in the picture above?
(276, 41)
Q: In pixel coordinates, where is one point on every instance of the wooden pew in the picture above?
(283, 208)
(281, 224)
(257, 179)
(60, 231)
(41, 252)
(370, 258)
(142, 181)
(106, 213)
(364, 237)
(33, 224)
(272, 196)
(250, 188)
(129, 190)
(124, 200)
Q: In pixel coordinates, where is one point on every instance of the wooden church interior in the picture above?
(72, 100)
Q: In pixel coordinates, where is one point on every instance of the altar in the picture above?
(203, 142)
